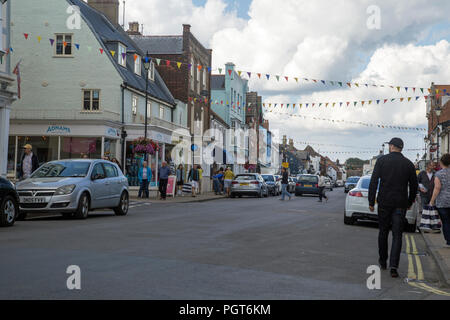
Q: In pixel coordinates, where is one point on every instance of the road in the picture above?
(224, 249)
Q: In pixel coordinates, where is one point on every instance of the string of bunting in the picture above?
(340, 104)
(364, 152)
(346, 146)
(249, 74)
(336, 121)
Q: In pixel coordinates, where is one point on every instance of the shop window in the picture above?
(91, 100)
(110, 148)
(75, 148)
(63, 45)
(133, 163)
(44, 147)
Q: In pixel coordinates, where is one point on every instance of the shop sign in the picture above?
(112, 132)
(160, 137)
(58, 130)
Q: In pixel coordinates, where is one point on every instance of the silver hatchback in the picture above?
(249, 184)
(74, 187)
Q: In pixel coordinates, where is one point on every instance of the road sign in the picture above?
(285, 165)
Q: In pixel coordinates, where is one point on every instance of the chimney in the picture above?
(110, 8)
(186, 28)
(284, 140)
(133, 28)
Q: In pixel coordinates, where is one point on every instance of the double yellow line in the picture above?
(412, 275)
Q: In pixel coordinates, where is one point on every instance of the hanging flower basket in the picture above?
(142, 145)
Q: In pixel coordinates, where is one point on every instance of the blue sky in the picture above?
(241, 6)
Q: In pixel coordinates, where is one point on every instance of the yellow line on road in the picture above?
(411, 273)
(418, 263)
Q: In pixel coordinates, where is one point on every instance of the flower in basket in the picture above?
(142, 145)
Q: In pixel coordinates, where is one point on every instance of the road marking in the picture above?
(411, 273)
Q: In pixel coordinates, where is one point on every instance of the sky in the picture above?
(400, 43)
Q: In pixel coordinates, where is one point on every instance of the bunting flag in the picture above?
(52, 41)
(179, 65)
(101, 50)
(39, 38)
(77, 46)
(113, 53)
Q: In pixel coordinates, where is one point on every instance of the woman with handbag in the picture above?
(441, 195)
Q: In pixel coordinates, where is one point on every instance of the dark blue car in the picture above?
(307, 184)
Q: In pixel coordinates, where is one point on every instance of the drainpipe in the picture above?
(123, 136)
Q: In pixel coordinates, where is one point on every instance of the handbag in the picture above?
(430, 221)
(187, 188)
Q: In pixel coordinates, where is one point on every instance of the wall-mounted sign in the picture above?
(112, 132)
(55, 129)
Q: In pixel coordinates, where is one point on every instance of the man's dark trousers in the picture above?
(390, 217)
(321, 193)
(163, 187)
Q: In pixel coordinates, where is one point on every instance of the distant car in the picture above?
(357, 206)
(307, 184)
(272, 185)
(278, 182)
(249, 184)
(328, 184)
(350, 183)
(9, 203)
(339, 183)
(74, 187)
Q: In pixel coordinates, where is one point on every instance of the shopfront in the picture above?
(61, 141)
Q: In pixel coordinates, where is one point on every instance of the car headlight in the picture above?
(65, 190)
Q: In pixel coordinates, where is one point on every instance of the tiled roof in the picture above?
(159, 44)
(217, 82)
(108, 34)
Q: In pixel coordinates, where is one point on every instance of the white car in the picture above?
(357, 206)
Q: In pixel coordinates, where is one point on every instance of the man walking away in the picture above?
(394, 173)
(321, 186)
(200, 179)
(228, 178)
(29, 162)
(164, 173)
(194, 177)
(284, 184)
(426, 184)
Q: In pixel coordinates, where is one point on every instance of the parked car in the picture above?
(350, 183)
(278, 182)
(249, 184)
(339, 183)
(292, 184)
(357, 206)
(272, 185)
(328, 184)
(307, 184)
(9, 203)
(74, 187)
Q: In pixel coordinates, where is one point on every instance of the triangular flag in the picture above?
(135, 57)
(259, 75)
(287, 79)
(370, 101)
(113, 53)
(268, 76)
(323, 81)
(378, 101)
(64, 44)
(39, 38)
(406, 89)
(417, 98)
(52, 41)
(230, 71)
(362, 102)
(278, 78)
(296, 79)
(239, 73)
(77, 46)
(101, 51)
(26, 35)
(401, 99)
(158, 61)
(349, 84)
(199, 67)
(179, 65)
(385, 100)
(409, 99)
(249, 74)
(357, 85)
(168, 63)
(340, 83)
(348, 103)
(220, 70)
(354, 103)
(398, 88)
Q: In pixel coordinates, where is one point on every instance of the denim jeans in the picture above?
(143, 189)
(216, 185)
(444, 213)
(284, 191)
(389, 217)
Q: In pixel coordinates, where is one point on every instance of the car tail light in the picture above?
(297, 184)
(317, 185)
(355, 194)
(254, 182)
(234, 182)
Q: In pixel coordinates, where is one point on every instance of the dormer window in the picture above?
(122, 55)
(151, 72)
(137, 65)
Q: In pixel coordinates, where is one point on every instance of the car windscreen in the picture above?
(268, 178)
(352, 180)
(245, 178)
(305, 179)
(63, 169)
(365, 183)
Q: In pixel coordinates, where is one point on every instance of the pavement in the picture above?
(231, 249)
(207, 196)
(435, 244)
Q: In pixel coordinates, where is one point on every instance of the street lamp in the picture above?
(438, 114)
(147, 64)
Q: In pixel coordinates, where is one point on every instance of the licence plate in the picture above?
(308, 185)
(33, 200)
(244, 184)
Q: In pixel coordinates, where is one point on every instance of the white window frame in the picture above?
(205, 77)
(138, 65)
(134, 104)
(151, 71)
(149, 109)
(161, 112)
(64, 55)
(91, 100)
(122, 49)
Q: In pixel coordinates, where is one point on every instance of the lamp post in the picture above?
(147, 64)
(438, 114)
(426, 140)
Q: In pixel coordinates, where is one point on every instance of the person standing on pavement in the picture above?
(321, 186)
(144, 176)
(200, 179)
(216, 182)
(394, 174)
(194, 177)
(426, 184)
(180, 179)
(441, 196)
(284, 184)
(228, 178)
(29, 162)
(164, 173)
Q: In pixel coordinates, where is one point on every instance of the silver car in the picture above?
(249, 184)
(74, 187)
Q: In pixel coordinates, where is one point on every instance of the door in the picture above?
(99, 187)
(113, 183)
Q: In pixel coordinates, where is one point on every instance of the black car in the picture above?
(9, 203)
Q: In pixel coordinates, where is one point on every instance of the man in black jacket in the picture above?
(394, 173)
(29, 162)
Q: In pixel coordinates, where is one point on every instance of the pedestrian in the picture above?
(441, 196)
(228, 178)
(284, 184)
(180, 179)
(114, 160)
(29, 162)
(321, 186)
(144, 176)
(222, 181)
(164, 172)
(395, 175)
(200, 179)
(426, 183)
(216, 182)
(194, 177)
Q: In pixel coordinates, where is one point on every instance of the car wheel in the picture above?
(9, 210)
(124, 203)
(349, 220)
(83, 207)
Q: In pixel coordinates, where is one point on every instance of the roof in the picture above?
(302, 155)
(109, 34)
(160, 44)
(217, 82)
